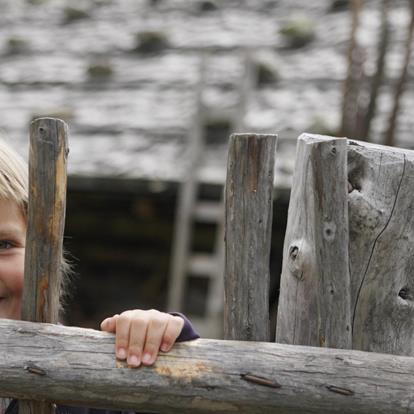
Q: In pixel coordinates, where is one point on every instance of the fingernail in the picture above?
(146, 358)
(164, 347)
(133, 361)
(121, 353)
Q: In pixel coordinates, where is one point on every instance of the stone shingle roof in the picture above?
(135, 122)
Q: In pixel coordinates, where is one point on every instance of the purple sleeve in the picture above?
(188, 332)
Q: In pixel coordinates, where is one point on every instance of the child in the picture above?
(139, 335)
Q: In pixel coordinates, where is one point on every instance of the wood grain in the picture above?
(381, 207)
(46, 218)
(248, 203)
(77, 366)
(314, 302)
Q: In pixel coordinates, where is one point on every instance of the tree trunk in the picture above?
(378, 77)
(399, 89)
(352, 83)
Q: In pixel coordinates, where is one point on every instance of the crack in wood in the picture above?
(375, 243)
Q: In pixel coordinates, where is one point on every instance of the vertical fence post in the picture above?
(46, 216)
(249, 204)
(314, 302)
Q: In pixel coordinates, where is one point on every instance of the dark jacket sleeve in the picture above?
(188, 332)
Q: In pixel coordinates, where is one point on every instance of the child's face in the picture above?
(12, 243)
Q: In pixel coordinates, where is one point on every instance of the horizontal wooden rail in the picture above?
(77, 366)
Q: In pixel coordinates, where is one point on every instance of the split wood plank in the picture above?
(249, 205)
(314, 301)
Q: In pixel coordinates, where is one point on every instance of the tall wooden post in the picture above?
(249, 203)
(46, 216)
(314, 302)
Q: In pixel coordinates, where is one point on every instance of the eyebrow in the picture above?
(9, 231)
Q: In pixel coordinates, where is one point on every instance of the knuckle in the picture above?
(122, 319)
(157, 323)
(178, 322)
(139, 324)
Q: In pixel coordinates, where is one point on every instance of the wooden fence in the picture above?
(347, 282)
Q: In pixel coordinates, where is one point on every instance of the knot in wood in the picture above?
(293, 252)
(404, 293)
(329, 230)
(298, 254)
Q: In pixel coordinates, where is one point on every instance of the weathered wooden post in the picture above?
(347, 278)
(249, 203)
(46, 217)
(314, 302)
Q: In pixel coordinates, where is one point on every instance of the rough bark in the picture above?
(314, 301)
(76, 366)
(249, 201)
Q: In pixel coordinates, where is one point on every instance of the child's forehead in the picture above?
(11, 215)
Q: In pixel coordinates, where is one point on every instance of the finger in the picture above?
(123, 324)
(109, 324)
(137, 334)
(172, 331)
(155, 333)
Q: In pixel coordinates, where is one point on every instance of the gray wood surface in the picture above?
(47, 202)
(78, 367)
(314, 302)
(46, 218)
(248, 203)
(381, 206)
(379, 202)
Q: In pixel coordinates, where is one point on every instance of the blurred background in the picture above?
(151, 90)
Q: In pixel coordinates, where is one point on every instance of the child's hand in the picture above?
(141, 334)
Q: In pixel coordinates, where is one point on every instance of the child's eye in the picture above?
(6, 244)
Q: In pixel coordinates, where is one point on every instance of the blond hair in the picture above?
(13, 177)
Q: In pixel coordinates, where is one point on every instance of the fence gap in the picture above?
(248, 204)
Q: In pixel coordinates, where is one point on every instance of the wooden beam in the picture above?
(46, 218)
(314, 302)
(77, 366)
(248, 226)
